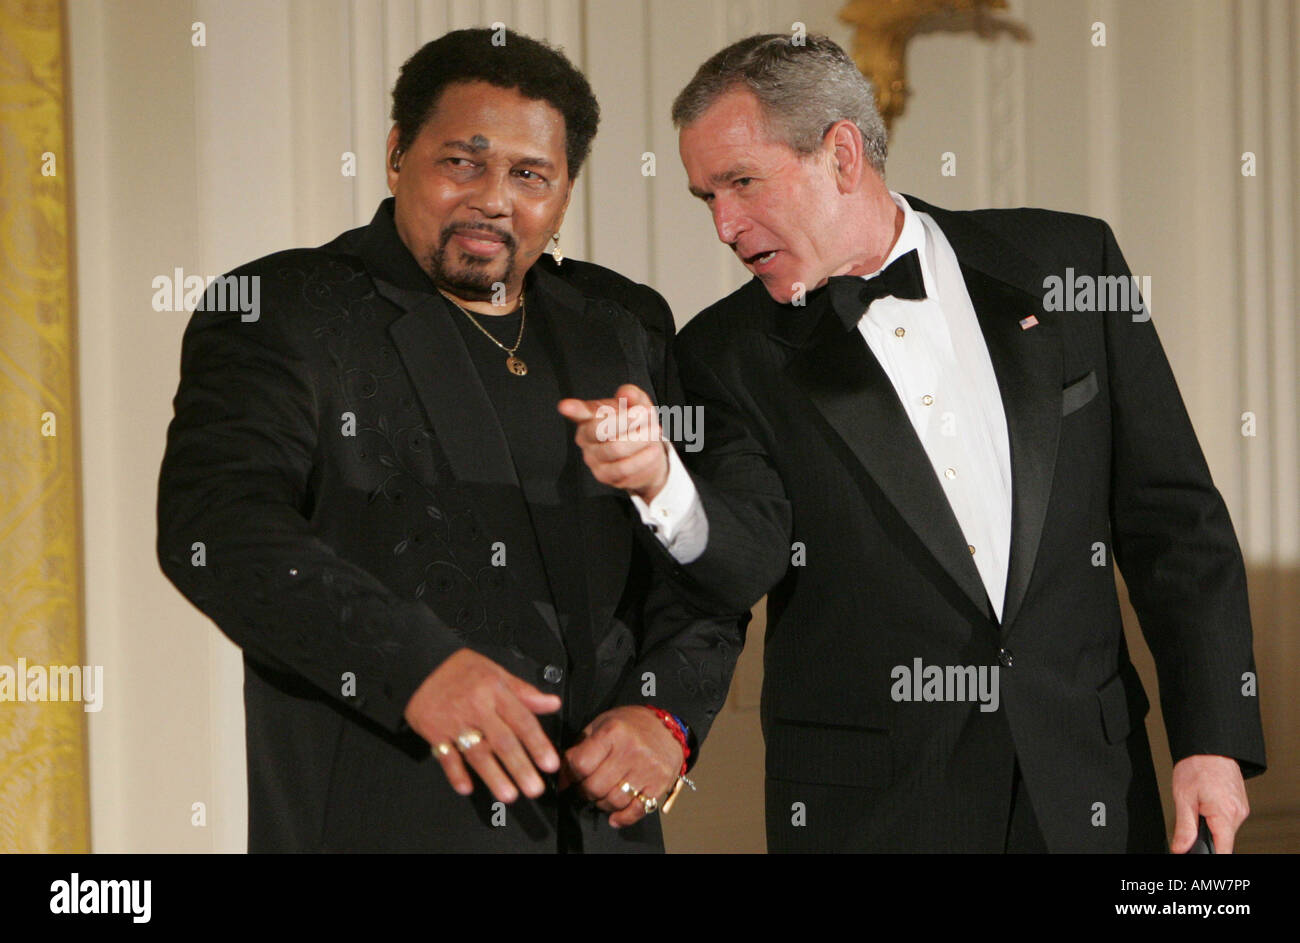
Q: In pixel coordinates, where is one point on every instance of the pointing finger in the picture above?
(578, 410)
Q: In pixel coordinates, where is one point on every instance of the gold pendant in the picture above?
(516, 366)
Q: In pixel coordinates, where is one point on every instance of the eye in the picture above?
(530, 176)
(743, 182)
(459, 163)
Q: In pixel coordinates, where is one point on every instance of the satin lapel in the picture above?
(1028, 365)
(594, 366)
(466, 427)
(853, 393)
(1006, 287)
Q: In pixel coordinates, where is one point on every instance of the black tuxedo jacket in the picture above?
(806, 445)
(342, 468)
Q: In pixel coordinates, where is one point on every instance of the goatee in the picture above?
(469, 277)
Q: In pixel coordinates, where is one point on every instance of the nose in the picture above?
(727, 219)
(491, 196)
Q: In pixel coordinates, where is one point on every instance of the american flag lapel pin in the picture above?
(1027, 323)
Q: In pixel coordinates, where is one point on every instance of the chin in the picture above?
(780, 289)
(480, 276)
(470, 278)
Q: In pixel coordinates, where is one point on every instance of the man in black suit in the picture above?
(368, 488)
(932, 469)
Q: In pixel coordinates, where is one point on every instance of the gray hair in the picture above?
(803, 89)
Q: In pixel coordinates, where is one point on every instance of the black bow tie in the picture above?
(852, 295)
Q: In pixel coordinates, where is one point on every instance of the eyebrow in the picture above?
(478, 143)
(726, 176)
(474, 145)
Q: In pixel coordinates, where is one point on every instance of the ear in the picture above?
(848, 159)
(392, 158)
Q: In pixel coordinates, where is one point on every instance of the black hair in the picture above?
(533, 68)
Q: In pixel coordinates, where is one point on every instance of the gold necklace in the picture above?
(513, 363)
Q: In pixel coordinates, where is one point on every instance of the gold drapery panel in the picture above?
(44, 805)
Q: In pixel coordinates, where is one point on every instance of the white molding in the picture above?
(1104, 175)
(1283, 200)
(1255, 526)
(1005, 126)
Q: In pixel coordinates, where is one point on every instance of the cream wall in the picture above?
(202, 158)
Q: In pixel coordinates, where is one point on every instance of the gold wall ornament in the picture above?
(883, 29)
(44, 804)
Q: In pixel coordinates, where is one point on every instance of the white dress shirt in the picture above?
(953, 403)
(676, 515)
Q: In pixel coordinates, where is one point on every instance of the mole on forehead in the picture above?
(479, 142)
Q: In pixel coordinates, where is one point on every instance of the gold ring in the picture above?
(650, 804)
(442, 748)
(468, 739)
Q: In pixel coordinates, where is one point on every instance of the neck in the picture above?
(479, 306)
(875, 222)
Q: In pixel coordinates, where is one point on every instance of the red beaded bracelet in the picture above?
(676, 730)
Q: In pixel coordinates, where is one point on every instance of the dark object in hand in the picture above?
(1204, 844)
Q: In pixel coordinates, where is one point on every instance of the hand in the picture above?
(470, 692)
(621, 440)
(1210, 786)
(625, 744)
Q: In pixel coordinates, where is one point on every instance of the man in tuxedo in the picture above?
(368, 488)
(932, 470)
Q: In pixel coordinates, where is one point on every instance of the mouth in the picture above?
(478, 242)
(760, 261)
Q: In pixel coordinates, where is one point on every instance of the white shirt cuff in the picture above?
(676, 515)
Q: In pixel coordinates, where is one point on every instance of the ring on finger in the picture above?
(627, 787)
(468, 739)
(650, 804)
(442, 748)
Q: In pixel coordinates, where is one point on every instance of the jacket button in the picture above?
(1004, 658)
(552, 674)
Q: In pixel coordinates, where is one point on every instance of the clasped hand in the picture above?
(472, 697)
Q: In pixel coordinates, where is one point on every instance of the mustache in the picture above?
(450, 231)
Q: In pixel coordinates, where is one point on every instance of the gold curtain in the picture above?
(44, 806)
